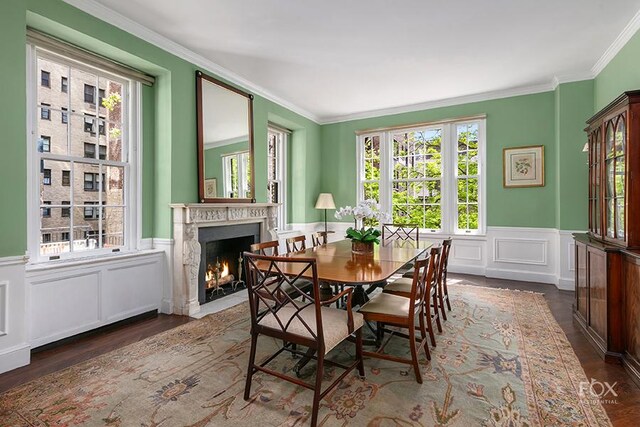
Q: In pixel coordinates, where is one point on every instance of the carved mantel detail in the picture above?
(187, 219)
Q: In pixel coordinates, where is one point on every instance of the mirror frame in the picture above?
(200, 76)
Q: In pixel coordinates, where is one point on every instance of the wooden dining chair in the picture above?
(400, 232)
(442, 280)
(309, 323)
(266, 248)
(402, 287)
(443, 291)
(400, 312)
(320, 238)
(296, 244)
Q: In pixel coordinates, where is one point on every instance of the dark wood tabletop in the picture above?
(336, 263)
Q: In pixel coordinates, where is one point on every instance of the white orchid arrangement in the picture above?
(367, 209)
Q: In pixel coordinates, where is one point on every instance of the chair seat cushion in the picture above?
(400, 286)
(386, 304)
(334, 323)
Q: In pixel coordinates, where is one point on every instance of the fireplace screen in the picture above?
(221, 259)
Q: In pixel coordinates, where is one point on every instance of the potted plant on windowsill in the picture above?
(363, 238)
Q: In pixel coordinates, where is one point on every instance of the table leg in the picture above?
(360, 297)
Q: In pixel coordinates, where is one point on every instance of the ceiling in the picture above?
(334, 58)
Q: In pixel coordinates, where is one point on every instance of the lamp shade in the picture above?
(325, 201)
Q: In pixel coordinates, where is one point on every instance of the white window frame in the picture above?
(282, 142)
(132, 128)
(449, 205)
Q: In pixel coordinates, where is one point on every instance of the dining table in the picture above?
(337, 264)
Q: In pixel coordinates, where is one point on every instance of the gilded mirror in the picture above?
(225, 142)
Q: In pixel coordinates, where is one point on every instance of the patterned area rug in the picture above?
(501, 361)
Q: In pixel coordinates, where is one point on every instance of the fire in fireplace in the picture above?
(221, 258)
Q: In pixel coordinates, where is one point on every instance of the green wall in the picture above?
(169, 122)
(574, 106)
(621, 74)
(516, 121)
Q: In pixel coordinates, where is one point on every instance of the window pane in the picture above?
(371, 190)
(114, 185)
(55, 229)
(619, 177)
(113, 227)
(112, 141)
(82, 86)
(47, 92)
(610, 217)
(86, 182)
(620, 137)
(86, 229)
(111, 102)
(51, 180)
(620, 218)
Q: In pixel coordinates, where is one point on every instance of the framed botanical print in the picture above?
(523, 166)
(210, 188)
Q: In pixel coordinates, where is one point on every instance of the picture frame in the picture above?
(523, 166)
(210, 188)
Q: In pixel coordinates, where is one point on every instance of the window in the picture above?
(46, 176)
(65, 212)
(429, 175)
(235, 169)
(45, 112)
(101, 95)
(276, 172)
(46, 211)
(91, 182)
(46, 237)
(89, 94)
(101, 126)
(89, 123)
(94, 196)
(45, 144)
(89, 151)
(64, 84)
(45, 78)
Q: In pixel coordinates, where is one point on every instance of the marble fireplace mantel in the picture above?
(187, 218)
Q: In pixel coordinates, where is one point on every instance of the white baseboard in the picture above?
(15, 357)
(521, 276)
(466, 269)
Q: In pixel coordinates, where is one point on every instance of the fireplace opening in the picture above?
(221, 259)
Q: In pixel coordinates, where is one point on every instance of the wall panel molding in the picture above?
(520, 251)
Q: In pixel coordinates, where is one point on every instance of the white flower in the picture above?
(367, 209)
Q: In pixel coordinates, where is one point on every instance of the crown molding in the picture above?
(466, 99)
(570, 78)
(625, 35)
(120, 21)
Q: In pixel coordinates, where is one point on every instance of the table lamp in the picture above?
(325, 201)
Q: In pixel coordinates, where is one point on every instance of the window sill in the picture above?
(89, 260)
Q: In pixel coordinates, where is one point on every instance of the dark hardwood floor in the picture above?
(625, 412)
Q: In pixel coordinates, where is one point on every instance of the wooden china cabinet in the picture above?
(607, 258)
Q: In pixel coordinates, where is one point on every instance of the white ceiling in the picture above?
(336, 58)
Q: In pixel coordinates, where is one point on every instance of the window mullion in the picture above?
(386, 174)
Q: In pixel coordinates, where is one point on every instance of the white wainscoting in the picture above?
(66, 300)
(14, 347)
(544, 255)
(166, 246)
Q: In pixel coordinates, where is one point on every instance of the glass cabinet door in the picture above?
(615, 150)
